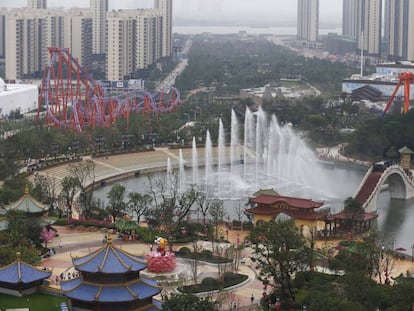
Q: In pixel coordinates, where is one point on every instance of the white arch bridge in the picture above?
(399, 181)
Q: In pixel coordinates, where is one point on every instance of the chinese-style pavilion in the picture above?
(109, 279)
(30, 206)
(268, 207)
(20, 278)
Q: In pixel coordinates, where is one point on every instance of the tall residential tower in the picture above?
(350, 18)
(308, 20)
(37, 4)
(369, 26)
(99, 10)
(165, 6)
(399, 29)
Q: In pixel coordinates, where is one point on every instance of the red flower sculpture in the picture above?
(159, 263)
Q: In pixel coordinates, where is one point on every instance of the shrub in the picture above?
(184, 251)
(206, 253)
(209, 281)
(229, 276)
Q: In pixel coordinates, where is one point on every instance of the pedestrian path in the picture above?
(76, 242)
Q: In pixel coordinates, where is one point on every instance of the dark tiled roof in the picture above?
(294, 202)
(109, 259)
(110, 293)
(21, 272)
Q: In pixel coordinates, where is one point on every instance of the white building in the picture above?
(134, 41)
(37, 4)
(23, 97)
(78, 35)
(308, 20)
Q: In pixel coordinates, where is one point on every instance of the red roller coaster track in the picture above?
(405, 78)
(74, 101)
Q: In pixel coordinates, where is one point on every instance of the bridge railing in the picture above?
(384, 176)
(363, 181)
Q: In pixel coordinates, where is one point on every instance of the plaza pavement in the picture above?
(80, 242)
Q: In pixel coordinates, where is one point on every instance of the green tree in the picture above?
(217, 213)
(69, 186)
(116, 205)
(139, 203)
(280, 252)
(84, 172)
(187, 302)
(22, 229)
(353, 209)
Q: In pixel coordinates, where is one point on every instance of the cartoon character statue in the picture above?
(162, 244)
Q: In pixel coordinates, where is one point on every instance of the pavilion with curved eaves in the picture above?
(109, 280)
(31, 207)
(20, 278)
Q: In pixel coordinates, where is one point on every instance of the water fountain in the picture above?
(268, 156)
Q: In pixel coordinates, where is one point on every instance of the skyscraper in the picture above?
(308, 20)
(134, 41)
(99, 9)
(3, 16)
(369, 26)
(78, 35)
(350, 18)
(37, 4)
(165, 6)
(399, 32)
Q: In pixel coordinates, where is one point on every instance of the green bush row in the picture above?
(210, 284)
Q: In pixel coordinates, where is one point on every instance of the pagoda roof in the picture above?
(269, 191)
(291, 201)
(19, 272)
(109, 259)
(27, 204)
(405, 150)
(110, 293)
(122, 224)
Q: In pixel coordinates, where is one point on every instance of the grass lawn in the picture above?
(35, 302)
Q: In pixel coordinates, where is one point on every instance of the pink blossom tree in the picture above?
(47, 235)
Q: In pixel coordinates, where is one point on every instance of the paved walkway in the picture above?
(80, 242)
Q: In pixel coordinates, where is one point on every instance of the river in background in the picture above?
(222, 30)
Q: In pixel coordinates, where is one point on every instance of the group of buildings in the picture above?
(377, 28)
(128, 40)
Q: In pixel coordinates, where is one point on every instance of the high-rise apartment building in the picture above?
(3, 18)
(134, 41)
(369, 26)
(399, 32)
(78, 35)
(24, 42)
(99, 10)
(308, 20)
(37, 4)
(350, 18)
(165, 6)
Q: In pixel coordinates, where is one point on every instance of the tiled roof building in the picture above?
(21, 278)
(109, 280)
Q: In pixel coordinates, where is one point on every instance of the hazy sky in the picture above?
(223, 10)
